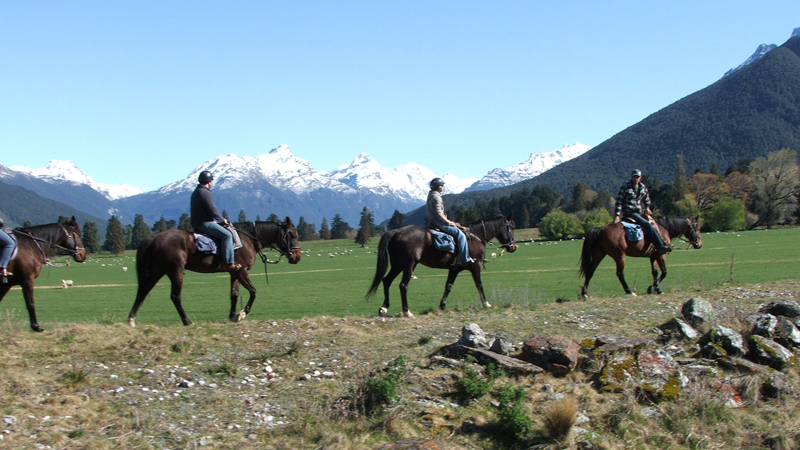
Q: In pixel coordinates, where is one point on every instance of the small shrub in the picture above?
(513, 418)
(224, 369)
(559, 225)
(425, 340)
(75, 434)
(494, 372)
(74, 376)
(382, 389)
(471, 386)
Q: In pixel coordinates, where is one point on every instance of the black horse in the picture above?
(35, 245)
(411, 245)
(610, 240)
(172, 252)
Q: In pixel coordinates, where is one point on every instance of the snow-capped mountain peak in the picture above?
(67, 171)
(762, 50)
(536, 164)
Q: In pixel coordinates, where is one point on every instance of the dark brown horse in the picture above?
(35, 244)
(610, 240)
(411, 245)
(172, 252)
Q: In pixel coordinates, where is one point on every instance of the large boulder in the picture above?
(556, 354)
(768, 352)
(473, 336)
(762, 324)
(678, 329)
(697, 311)
(786, 308)
(731, 341)
(786, 333)
(659, 375)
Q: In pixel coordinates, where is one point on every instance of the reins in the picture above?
(262, 245)
(487, 240)
(45, 260)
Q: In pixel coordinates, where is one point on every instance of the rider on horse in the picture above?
(633, 200)
(7, 246)
(437, 218)
(207, 220)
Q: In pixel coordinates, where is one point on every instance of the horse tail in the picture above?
(589, 243)
(142, 260)
(383, 261)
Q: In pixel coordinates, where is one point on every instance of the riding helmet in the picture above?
(205, 177)
(436, 182)
(636, 173)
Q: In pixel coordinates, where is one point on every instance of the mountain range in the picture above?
(277, 182)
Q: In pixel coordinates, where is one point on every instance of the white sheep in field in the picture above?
(494, 255)
(66, 283)
(124, 269)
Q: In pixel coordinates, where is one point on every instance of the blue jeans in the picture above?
(461, 241)
(648, 230)
(224, 236)
(7, 246)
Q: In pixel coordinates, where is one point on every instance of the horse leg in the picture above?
(245, 281)
(387, 283)
(476, 276)
(621, 275)
(234, 297)
(451, 278)
(662, 264)
(598, 256)
(175, 294)
(27, 292)
(404, 292)
(141, 294)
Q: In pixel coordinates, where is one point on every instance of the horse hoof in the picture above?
(649, 290)
(132, 323)
(407, 314)
(37, 328)
(633, 294)
(487, 305)
(382, 312)
(240, 317)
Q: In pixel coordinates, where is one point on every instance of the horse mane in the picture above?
(491, 225)
(675, 226)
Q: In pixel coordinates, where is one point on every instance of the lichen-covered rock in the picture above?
(762, 324)
(697, 311)
(618, 374)
(659, 375)
(473, 336)
(678, 329)
(609, 344)
(501, 346)
(768, 352)
(785, 308)
(556, 354)
(742, 365)
(731, 341)
(786, 333)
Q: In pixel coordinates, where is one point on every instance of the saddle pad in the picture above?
(443, 241)
(633, 232)
(13, 237)
(205, 244)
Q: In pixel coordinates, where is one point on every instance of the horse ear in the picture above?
(73, 222)
(510, 215)
(288, 221)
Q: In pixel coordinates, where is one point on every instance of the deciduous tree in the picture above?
(776, 180)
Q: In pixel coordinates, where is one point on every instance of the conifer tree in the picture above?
(339, 228)
(90, 238)
(324, 230)
(679, 186)
(185, 222)
(397, 220)
(139, 232)
(305, 231)
(115, 237)
(365, 227)
(273, 218)
(242, 216)
(160, 225)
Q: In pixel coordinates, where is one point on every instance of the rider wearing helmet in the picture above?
(633, 200)
(207, 220)
(437, 218)
(7, 246)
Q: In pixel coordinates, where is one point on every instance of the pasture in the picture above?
(333, 277)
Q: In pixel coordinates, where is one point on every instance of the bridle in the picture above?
(71, 236)
(285, 237)
(506, 235)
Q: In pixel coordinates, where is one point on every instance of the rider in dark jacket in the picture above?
(436, 216)
(207, 220)
(633, 200)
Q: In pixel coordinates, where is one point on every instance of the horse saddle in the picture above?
(13, 237)
(207, 244)
(443, 241)
(633, 231)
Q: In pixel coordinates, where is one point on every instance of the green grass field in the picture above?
(335, 286)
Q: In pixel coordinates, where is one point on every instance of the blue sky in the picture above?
(141, 92)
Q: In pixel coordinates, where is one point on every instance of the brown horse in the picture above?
(35, 244)
(610, 240)
(172, 252)
(411, 245)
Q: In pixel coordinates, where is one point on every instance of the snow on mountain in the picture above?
(56, 170)
(536, 164)
(762, 50)
(408, 182)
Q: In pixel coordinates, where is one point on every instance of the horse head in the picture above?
(507, 237)
(693, 232)
(289, 242)
(72, 240)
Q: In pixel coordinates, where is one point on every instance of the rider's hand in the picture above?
(617, 219)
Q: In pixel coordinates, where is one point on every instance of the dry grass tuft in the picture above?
(559, 418)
